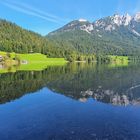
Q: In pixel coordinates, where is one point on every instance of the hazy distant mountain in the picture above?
(117, 34)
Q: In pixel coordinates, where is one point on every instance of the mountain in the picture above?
(117, 34)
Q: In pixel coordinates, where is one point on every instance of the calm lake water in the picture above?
(72, 102)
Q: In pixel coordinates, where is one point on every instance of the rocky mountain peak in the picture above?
(108, 24)
(117, 19)
(126, 19)
(121, 19)
(137, 17)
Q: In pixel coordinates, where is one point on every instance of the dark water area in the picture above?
(72, 102)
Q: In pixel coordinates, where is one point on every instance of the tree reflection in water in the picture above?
(80, 81)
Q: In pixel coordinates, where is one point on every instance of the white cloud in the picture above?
(29, 10)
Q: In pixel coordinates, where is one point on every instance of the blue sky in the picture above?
(44, 16)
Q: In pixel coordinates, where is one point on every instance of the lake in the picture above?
(72, 102)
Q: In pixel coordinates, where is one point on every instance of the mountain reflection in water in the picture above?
(79, 81)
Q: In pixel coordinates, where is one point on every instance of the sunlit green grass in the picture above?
(34, 58)
(37, 57)
(12, 55)
(35, 62)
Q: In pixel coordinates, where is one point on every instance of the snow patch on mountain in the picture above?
(87, 28)
(100, 23)
(117, 19)
(110, 28)
(122, 19)
(82, 20)
(100, 36)
(137, 17)
(126, 19)
(135, 32)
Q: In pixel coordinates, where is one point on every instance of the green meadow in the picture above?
(35, 61)
(34, 57)
(40, 58)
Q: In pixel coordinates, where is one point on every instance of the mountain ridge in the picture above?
(120, 33)
(116, 19)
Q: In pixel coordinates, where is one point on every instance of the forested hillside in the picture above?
(15, 39)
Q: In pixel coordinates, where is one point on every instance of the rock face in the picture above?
(107, 23)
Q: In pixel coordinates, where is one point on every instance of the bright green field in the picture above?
(39, 58)
(35, 61)
(5, 53)
(34, 58)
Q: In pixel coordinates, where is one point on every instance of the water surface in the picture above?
(71, 102)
